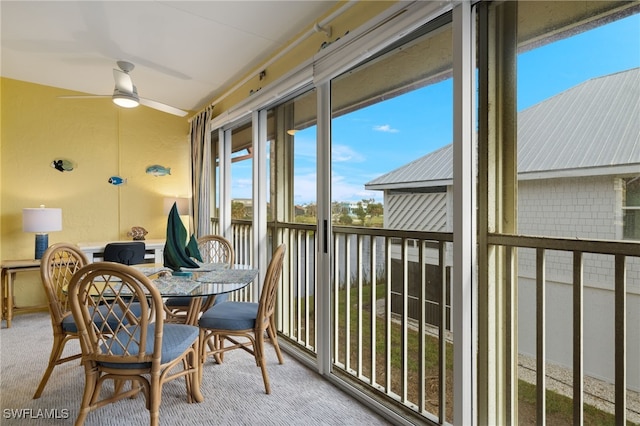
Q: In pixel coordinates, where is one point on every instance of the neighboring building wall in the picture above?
(590, 208)
(586, 207)
(416, 211)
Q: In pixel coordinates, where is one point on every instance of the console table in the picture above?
(154, 253)
(154, 250)
(9, 270)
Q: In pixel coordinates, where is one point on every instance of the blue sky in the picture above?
(382, 137)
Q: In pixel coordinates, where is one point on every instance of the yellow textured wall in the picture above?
(103, 141)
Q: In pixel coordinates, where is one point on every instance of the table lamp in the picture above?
(41, 220)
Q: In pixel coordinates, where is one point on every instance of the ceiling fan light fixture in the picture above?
(125, 94)
(125, 101)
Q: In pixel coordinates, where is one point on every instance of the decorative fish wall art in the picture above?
(117, 180)
(158, 170)
(62, 165)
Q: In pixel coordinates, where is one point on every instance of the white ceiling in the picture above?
(186, 52)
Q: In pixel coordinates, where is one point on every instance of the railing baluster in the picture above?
(405, 317)
(421, 326)
(247, 245)
(291, 302)
(442, 342)
(247, 229)
(578, 367)
(314, 274)
(359, 280)
(621, 340)
(374, 313)
(541, 380)
(511, 341)
(306, 288)
(298, 286)
(336, 298)
(284, 295)
(347, 253)
(387, 317)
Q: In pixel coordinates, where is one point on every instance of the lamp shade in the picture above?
(182, 204)
(41, 220)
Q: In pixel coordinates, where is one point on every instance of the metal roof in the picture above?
(590, 129)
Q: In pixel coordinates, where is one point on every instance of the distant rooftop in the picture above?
(590, 129)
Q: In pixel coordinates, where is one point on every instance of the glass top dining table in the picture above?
(209, 280)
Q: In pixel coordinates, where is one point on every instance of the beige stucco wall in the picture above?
(103, 141)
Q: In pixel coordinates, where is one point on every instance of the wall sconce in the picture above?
(292, 132)
(41, 221)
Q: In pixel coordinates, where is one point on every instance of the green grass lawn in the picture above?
(560, 407)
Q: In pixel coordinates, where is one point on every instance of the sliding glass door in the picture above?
(391, 184)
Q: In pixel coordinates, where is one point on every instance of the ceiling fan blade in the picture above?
(126, 91)
(163, 107)
(123, 81)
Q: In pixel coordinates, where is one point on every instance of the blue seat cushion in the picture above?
(184, 301)
(230, 316)
(69, 324)
(176, 338)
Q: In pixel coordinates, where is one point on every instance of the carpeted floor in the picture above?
(234, 392)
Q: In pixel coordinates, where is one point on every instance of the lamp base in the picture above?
(42, 243)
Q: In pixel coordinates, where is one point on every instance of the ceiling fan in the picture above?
(126, 95)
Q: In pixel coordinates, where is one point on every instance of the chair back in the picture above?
(59, 263)
(267, 304)
(126, 332)
(129, 253)
(216, 249)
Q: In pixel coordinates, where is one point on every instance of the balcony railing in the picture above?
(242, 242)
(391, 309)
(584, 255)
(390, 314)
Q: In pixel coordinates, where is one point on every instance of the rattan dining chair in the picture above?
(213, 249)
(124, 344)
(245, 324)
(59, 262)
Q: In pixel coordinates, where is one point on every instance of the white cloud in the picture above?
(304, 188)
(241, 187)
(386, 128)
(305, 148)
(342, 190)
(342, 153)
